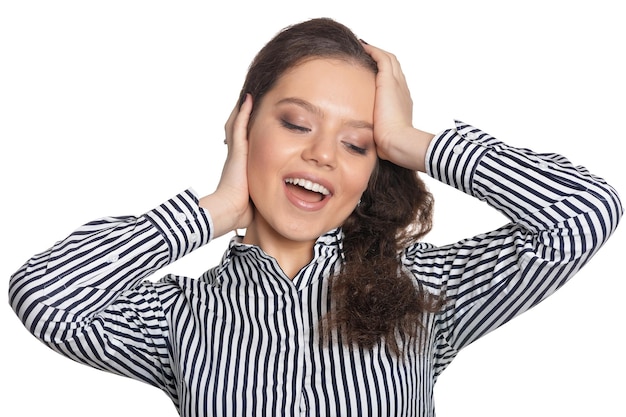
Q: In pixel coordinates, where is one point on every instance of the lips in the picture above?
(307, 192)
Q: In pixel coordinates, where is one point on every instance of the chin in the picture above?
(302, 235)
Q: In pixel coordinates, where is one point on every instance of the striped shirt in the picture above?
(243, 339)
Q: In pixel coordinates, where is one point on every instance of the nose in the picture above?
(321, 151)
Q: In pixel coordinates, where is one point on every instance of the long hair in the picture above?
(373, 298)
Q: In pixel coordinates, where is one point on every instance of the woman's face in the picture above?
(311, 149)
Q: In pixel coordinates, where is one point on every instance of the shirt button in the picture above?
(193, 237)
(112, 258)
(471, 136)
(180, 217)
(458, 149)
(543, 165)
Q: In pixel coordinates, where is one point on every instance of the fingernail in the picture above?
(362, 41)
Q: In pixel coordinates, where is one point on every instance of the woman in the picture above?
(330, 304)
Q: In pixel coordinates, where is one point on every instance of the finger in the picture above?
(386, 61)
(240, 124)
(228, 126)
(239, 116)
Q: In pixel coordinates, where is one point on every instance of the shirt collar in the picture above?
(331, 240)
(327, 246)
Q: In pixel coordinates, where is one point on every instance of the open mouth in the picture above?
(306, 190)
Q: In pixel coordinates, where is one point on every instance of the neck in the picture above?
(291, 255)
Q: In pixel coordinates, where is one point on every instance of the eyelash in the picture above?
(302, 129)
(293, 127)
(356, 149)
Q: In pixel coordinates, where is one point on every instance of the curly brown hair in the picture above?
(373, 298)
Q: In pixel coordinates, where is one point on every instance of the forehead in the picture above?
(328, 82)
(325, 67)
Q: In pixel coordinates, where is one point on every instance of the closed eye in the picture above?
(355, 149)
(293, 127)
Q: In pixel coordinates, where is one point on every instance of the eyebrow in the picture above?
(311, 108)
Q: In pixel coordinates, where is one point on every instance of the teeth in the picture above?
(309, 185)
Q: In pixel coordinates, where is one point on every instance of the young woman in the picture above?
(330, 304)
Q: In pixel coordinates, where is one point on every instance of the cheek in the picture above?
(258, 153)
(263, 167)
(368, 172)
(254, 162)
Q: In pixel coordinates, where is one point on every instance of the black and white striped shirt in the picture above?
(243, 338)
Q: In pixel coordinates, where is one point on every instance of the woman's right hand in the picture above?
(229, 205)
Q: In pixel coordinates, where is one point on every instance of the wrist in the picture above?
(409, 149)
(224, 216)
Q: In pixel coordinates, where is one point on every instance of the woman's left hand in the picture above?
(396, 138)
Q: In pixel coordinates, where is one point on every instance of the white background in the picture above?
(109, 108)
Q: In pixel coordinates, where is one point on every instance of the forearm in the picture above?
(82, 274)
(560, 216)
(223, 218)
(409, 151)
(537, 191)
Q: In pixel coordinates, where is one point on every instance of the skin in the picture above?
(332, 108)
(315, 124)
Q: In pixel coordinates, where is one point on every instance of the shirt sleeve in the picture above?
(87, 297)
(560, 215)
